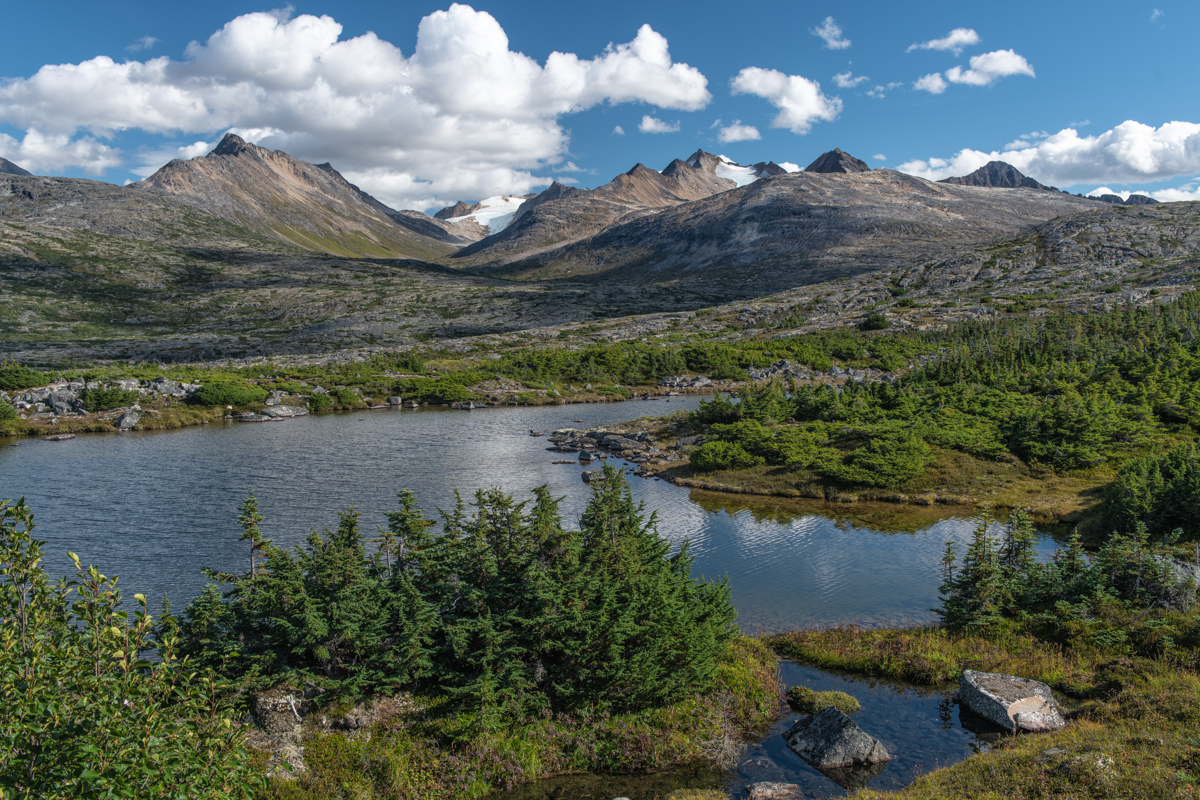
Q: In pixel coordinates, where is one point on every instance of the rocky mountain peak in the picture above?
(997, 175)
(837, 161)
(9, 168)
(459, 209)
(233, 145)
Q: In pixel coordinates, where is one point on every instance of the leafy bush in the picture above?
(720, 409)
(345, 398)
(14, 377)
(104, 399)
(506, 610)
(83, 715)
(1161, 492)
(7, 412)
(229, 394)
(712, 456)
(885, 460)
(875, 322)
(318, 402)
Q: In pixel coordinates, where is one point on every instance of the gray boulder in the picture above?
(394, 401)
(774, 791)
(593, 475)
(1017, 704)
(127, 420)
(830, 739)
(283, 412)
(62, 401)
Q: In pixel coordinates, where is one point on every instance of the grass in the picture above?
(442, 754)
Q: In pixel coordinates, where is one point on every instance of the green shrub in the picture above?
(505, 611)
(875, 322)
(7, 412)
(104, 399)
(318, 402)
(229, 394)
(345, 398)
(14, 377)
(712, 456)
(720, 409)
(888, 461)
(83, 715)
(1160, 491)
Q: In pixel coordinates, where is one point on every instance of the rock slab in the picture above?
(1018, 704)
(830, 739)
(774, 791)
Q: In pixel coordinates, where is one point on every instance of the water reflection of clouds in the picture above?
(156, 507)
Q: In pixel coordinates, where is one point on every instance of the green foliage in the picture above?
(1161, 492)
(875, 322)
(7, 412)
(318, 402)
(889, 458)
(718, 409)
(230, 393)
(104, 399)
(712, 456)
(505, 611)
(344, 397)
(1000, 579)
(82, 713)
(14, 377)
(806, 701)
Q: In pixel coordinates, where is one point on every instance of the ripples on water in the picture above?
(154, 507)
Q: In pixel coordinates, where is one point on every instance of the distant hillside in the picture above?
(998, 175)
(793, 229)
(309, 206)
(837, 161)
(9, 168)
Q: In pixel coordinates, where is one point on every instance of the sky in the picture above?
(426, 103)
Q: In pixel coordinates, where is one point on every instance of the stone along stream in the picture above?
(155, 507)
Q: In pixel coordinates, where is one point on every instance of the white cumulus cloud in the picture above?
(39, 152)
(881, 90)
(1128, 153)
(800, 101)
(618, 131)
(831, 32)
(933, 83)
(462, 116)
(789, 166)
(651, 124)
(738, 132)
(987, 68)
(847, 80)
(954, 41)
(879, 157)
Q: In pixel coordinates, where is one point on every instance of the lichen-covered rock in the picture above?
(774, 791)
(1015, 703)
(830, 739)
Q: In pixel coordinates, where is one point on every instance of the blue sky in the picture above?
(457, 114)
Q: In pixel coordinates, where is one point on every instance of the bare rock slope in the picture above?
(9, 168)
(312, 207)
(789, 230)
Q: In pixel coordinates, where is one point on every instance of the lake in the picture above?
(155, 507)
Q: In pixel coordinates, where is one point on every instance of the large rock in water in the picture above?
(1018, 704)
(281, 412)
(829, 739)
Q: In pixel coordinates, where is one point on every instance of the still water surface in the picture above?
(155, 507)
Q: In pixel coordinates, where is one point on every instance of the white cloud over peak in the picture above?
(847, 80)
(800, 101)
(933, 83)
(987, 68)
(651, 124)
(954, 41)
(1128, 153)
(737, 132)
(462, 116)
(789, 166)
(831, 32)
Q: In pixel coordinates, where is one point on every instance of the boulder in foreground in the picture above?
(830, 739)
(1017, 704)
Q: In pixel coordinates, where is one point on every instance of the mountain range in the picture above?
(256, 247)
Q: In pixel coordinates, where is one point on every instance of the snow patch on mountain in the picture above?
(494, 213)
(742, 176)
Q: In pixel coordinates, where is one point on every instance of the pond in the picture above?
(923, 729)
(156, 507)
